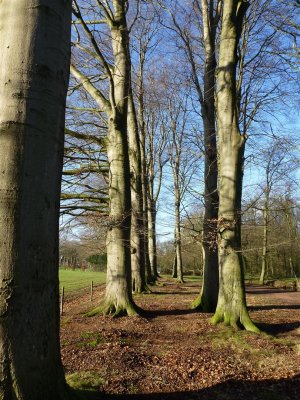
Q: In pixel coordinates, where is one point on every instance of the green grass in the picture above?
(187, 278)
(87, 380)
(192, 278)
(74, 281)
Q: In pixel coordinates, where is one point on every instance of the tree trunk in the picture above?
(291, 236)
(149, 277)
(152, 238)
(34, 48)
(178, 241)
(231, 307)
(207, 300)
(174, 266)
(118, 298)
(265, 240)
(145, 182)
(137, 255)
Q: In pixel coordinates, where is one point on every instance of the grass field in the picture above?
(74, 281)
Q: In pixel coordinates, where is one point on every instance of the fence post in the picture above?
(62, 300)
(92, 287)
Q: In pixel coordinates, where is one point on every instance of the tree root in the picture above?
(109, 308)
(144, 290)
(236, 322)
(200, 304)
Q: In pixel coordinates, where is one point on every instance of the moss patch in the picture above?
(87, 380)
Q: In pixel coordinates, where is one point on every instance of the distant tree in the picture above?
(143, 40)
(147, 90)
(98, 259)
(282, 253)
(35, 41)
(156, 160)
(278, 165)
(112, 100)
(180, 163)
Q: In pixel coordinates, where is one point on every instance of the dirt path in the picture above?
(175, 353)
(275, 295)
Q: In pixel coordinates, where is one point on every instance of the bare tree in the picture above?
(114, 103)
(137, 227)
(156, 160)
(277, 164)
(231, 307)
(194, 25)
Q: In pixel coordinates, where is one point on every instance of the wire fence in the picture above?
(67, 294)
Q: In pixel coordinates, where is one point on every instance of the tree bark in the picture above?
(118, 299)
(178, 239)
(137, 254)
(265, 239)
(145, 182)
(207, 300)
(35, 53)
(174, 265)
(231, 307)
(152, 236)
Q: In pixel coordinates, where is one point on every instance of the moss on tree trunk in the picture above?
(231, 307)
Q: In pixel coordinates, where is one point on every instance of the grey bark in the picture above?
(118, 298)
(176, 161)
(231, 307)
(207, 300)
(174, 265)
(137, 253)
(152, 236)
(179, 265)
(145, 182)
(154, 161)
(265, 238)
(34, 48)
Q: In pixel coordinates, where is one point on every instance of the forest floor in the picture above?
(175, 353)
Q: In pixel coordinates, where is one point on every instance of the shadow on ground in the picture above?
(259, 290)
(160, 313)
(174, 292)
(282, 389)
(275, 307)
(275, 329)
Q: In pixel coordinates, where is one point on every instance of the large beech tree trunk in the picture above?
(34, 49)
(118, 298)
(137, 243)
(145, 181)
(231, 307)
(207, 300)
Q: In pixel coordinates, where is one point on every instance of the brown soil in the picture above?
(175, 353)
